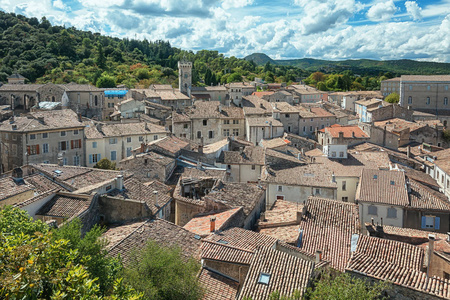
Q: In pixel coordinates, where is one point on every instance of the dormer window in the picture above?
(392, 182)
(375, 176)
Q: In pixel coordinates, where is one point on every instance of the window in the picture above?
(304, 128)
(129, 139)
(211, 134)
(428, 87)
(76, 160)
(65, 161)
(253, 167)
(344, 185)
(446, 87)
(345, 199)
(226, 121)
(428, 100)
(32, 136)
(264, 278)
(45, 135)
(287, 115)
(205, 122)
(185, 126)
(63, 133)
(95, 102)
(33, 150)
(409, 100)
(229, 167)
(341, 154)
(141, 139)
(375, 176)
(64, 145)
(226, 132)
(75, 132)
(431, 222)
(44, 148)
(310, 128)
(446, 276)
(155, 137)
(112, 141)
(94, 144)
(392, 182)
(317, 192)
(235, 121)
(391, 213)
(445, 101)
(46, 162)
(199, 134)
(373, 210)
(333, 154)
(113, 155)
(280, 188)
(236, 132)
(410, 87)
(128, 151)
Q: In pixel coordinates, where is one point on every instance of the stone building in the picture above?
(342, 135)
(185, 77)
(390, 86)
(237, 90)
(208, 122)
(149, 166)
(313, 119)
(117, 141)
(42, 137)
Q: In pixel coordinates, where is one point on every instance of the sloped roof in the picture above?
(217, 287)
(347, 131)
(65, 205)
(201, 225)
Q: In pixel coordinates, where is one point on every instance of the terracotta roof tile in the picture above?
(217, 287)
(9, 187)
(162, 232)
(65, 205)
(347, 131)
(242, 238)
(286, 273)
(201, 225)
(250, 155)
(380, 186)
(226, 253)
(425, 198)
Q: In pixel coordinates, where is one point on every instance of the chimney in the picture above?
(408, 151)
(431, 239)
(212, 224)
(155, 196)
(200, 149)
(299, 216)
(261, 105)
(333, 177)
(318, 256)
(220, 108)
(119, 182)
(303, 151)
(353, 134)
(79, 117)
(142, 147)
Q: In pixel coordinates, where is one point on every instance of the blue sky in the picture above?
(322, 29)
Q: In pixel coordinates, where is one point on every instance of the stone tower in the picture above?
(185, 76)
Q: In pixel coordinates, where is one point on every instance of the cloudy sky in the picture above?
(324, 29)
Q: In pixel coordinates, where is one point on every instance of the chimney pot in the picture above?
(212, 227)
(155, 195)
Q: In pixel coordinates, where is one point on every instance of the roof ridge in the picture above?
(228, 246)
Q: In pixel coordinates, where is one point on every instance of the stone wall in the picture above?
(116, 210)
(236, 271)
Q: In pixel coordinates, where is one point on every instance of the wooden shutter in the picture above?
(79, 143)
(37, 149)
(71, 144)
(28, 150)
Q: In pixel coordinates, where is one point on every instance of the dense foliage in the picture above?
(36, 263)
(105, 164)
(345, 287)
(392, 98)
(163, 273)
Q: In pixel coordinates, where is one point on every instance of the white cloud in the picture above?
(227, 4)
(382, 11)
(321, 15)
(413, 9)
(59, 4)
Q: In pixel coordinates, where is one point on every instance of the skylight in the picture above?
(197, 237)
(392, 182)
(222, 242)
(264, 278)
(375, 176)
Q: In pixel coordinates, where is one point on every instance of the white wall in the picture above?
(381, 213)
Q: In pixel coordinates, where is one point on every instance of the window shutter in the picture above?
(90, 158)
(28, 150)
(37, 149)
(99, 157)
(424, 222)
(437, 222)
(79, 143)
(71, 144)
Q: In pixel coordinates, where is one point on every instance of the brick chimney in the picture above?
(212, 224)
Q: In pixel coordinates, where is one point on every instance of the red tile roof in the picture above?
(224, 252)
(261, 94)
(217, 287)
(201, 225)
(242, 238)
(347, 131)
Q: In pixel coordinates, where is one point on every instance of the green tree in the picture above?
(36, 265)
(235, 77)
(163, 273)
(345, 287)
(392, 98)
(100, 59)
(105, 164)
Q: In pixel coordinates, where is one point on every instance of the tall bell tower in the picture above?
(185, 76)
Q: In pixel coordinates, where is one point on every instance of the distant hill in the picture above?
(358, 66)
(260, 58)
